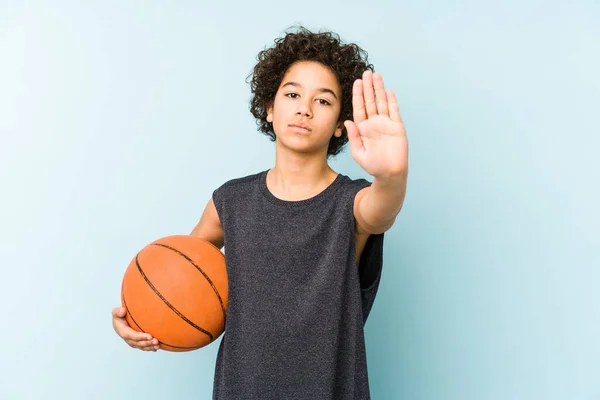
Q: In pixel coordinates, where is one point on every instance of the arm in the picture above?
(376, 207)
(379, 145)
(209, 227)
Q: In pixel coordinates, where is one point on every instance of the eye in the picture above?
(292, 95)
(324, 102)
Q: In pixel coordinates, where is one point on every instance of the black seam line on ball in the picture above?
(141, 329)
(176, 311)
(201, 271)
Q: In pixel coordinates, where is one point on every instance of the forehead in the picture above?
(311, 75)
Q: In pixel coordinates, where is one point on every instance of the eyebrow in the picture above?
(320, 90)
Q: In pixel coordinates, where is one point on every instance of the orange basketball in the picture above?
(175, 289)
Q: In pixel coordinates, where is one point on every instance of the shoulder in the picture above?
(354, 186)
(242, 181)
(236, 186)
(234, 189)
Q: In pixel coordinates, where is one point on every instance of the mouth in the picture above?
(299, 128)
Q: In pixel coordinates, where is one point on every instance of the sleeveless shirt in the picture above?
(297, 301)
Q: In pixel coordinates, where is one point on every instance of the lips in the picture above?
(301, 128)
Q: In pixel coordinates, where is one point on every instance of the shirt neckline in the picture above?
(295, 203)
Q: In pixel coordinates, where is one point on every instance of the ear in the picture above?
(338, 129)
(270, 114)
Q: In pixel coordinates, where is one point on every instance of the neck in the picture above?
(297, 175)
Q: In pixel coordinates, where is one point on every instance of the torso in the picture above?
(361, 241)
(361, 237)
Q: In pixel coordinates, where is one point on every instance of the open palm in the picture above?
(377, 135)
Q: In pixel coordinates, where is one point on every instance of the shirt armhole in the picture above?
(370, 267)
(371, 261)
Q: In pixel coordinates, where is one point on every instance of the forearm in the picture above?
(383, 201)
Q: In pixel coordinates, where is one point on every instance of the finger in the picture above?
(148, 346)
(380, 96)
(145, 344)
(358, 102)
(126, 332)
(144, 348)
(118, 312)
(354, 139)
(393, 106)
(139, 337)
(140, 344)
(369, 94)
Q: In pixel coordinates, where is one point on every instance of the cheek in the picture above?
(279, 111)
(332, 118)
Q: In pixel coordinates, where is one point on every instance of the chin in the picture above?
(304, 148)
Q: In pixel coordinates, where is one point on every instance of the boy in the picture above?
(304, 243)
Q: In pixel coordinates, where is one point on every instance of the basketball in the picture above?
(175, 289)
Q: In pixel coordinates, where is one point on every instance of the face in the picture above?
(306, 108)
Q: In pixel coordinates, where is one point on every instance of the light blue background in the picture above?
(119, 119)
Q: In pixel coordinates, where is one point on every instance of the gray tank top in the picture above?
(297, 300)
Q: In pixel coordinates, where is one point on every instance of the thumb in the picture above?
(119, 312)
(356, 143)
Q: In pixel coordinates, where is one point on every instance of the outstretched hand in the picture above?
(377, 136)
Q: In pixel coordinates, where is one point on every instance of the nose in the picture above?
(304, 109)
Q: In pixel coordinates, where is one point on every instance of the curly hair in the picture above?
(346, 61)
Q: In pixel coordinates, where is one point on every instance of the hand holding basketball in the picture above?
(174, 295)
(137, 340)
